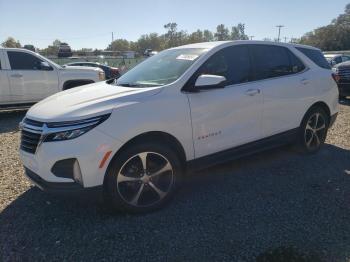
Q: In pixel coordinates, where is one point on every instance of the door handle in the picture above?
(252, 92)
(17, 75)
(304, 81)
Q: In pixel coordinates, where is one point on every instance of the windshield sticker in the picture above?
(188, 57)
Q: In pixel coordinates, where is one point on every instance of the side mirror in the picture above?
(205, 82)
(45, 66)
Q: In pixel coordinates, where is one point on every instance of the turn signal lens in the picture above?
(336, 77)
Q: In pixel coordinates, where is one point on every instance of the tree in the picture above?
(222, 33)
(171, 34)
(208, 36)
(52, 49)
(56, 43)
(335, 36)
(11, 43)
(196, 37)
(238, 32)
(151, 41)
(119, 45)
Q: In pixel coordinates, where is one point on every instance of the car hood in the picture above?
(87, 101)
(80, 68)
(343, 64)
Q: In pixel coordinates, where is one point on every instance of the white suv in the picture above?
(185, 108)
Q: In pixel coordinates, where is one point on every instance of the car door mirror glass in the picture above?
(210, 81)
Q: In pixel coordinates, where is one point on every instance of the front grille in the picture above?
(30, 135)
(33, 122)
(344, 73)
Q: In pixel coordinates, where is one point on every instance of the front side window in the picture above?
(232, 62)
(271, 61)
(346, 58)
(338, 59)
(23, 61)
(161, 69)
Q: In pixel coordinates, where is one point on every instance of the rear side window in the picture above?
(23, 61)
(274, 61)
(232, 62)
(316, 56)
(296, 64)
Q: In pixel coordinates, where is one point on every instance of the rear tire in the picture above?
(142, 178)
(313, 131)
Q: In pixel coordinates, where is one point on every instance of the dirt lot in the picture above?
(277, 201)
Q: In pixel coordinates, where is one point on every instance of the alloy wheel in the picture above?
(315, 131)
(145, 179)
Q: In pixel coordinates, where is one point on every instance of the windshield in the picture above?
(161, 69)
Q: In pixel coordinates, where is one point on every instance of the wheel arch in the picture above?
(76, 82)
(319, 104)
(156, 136)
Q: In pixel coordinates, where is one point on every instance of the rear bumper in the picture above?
(60, 187)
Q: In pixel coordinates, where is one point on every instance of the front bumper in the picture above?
(60, 187)
(344, 88)
(88, 150)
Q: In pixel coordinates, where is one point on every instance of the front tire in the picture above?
(313, 130)
(142, 178)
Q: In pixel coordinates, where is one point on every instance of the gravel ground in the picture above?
(270, 202)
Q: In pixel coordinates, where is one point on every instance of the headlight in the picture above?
(61, 131)
(101, 75)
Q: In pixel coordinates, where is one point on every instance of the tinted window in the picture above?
(316, 56)
(338, 59)
(232, 63)
(271, 61)
(23, 61)
(296, 64)
(346, 58)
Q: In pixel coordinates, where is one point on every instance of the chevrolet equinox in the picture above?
(185, 108)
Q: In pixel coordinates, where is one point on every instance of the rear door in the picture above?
(284, 82)
(5, 96)
(28, 81)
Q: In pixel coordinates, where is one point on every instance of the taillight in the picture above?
(336, 77)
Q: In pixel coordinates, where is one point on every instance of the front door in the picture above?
(28, 81)
(230, 116)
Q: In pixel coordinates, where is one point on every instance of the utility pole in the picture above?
(279, 31)
(251, 37)
(285, 39)
(112, 37)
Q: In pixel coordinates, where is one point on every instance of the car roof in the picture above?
(213, 44)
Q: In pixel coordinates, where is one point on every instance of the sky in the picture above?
(89, 24)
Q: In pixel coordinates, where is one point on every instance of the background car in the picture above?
(27, 77)
(110, 72)
(334, 59)
(64, 50)
(342, 77)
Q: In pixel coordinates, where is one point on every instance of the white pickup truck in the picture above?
(27, 77)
